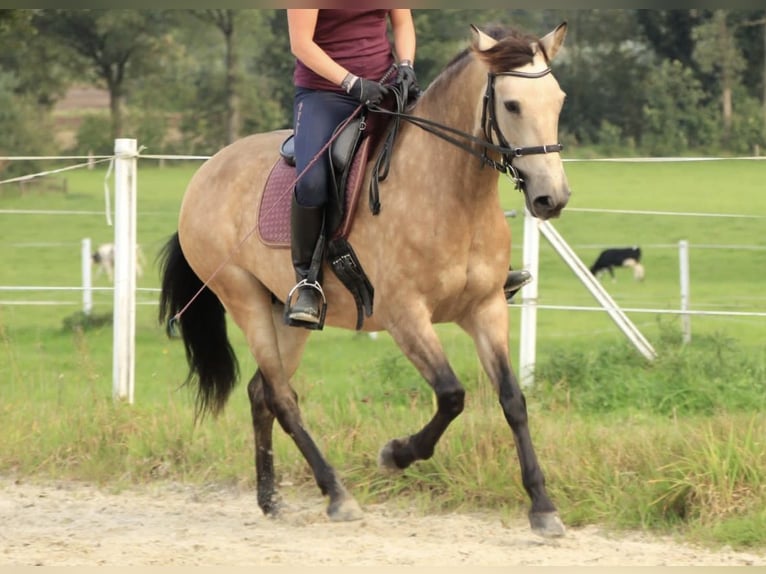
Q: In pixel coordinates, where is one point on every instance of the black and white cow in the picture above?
(619, 257)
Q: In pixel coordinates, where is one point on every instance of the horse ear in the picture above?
(552, 41)
(481, 41)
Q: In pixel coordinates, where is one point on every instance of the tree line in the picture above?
(655, 82)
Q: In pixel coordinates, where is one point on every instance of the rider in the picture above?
(341, 56)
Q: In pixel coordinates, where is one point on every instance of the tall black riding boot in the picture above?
(514, 281)
(305, 227)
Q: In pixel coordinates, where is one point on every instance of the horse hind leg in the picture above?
(342, 506)
(272, 398)
(283, 401)
(263, 425)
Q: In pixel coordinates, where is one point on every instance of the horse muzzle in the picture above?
(544, 201)
(546, 206)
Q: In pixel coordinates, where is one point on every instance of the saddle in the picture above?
(349, 155)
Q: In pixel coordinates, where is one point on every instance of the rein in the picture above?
(489, 126)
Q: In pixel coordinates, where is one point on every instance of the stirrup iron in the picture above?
(316, 286)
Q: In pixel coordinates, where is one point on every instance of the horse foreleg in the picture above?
(263, 425)
(490, 334)
(426, 353)
(543, 517)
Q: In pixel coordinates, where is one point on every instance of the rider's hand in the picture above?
(407, 80)
(367, 91)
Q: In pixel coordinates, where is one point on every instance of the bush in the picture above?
(711, 374)
(26, 130)
(95, 135)
(675, 117)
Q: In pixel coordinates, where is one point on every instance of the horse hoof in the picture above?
(547, 524)
(386, 458)
(276, 508)
(345, 510)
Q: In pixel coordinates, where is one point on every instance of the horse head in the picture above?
(520, 112)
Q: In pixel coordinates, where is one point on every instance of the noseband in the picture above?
(490, 126)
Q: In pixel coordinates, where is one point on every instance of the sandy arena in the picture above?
(72, 524)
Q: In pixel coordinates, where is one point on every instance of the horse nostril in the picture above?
(543, 203)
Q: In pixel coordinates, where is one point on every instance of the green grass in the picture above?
(675, 445)
(721, 279)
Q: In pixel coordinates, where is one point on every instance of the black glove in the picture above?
(407, 80)
(368, 92)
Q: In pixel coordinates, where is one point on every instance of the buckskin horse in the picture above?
(436, 251)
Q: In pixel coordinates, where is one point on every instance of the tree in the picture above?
(603, 70)
(754, 30)
(33, 75)
(40, 71)
(669, 32)
(716, 51)
(224, 20)
(116, 43)
(674, 113)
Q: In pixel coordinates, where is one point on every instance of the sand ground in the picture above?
(66, 523)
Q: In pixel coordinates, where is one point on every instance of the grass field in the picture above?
(693, 452)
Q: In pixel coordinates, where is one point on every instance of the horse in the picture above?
(437, 251)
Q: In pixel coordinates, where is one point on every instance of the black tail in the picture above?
(212, 362)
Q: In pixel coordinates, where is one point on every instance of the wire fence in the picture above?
(90, 161)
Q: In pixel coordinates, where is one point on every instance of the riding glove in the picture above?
(406, 79)
(366, 91)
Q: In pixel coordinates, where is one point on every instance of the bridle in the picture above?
(490, 126)
(461, 139)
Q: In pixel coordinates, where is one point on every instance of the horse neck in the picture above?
(454, 99)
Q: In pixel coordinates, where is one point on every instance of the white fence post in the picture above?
(683, 259)
(528, 329)
(87, 284)
(123, 361)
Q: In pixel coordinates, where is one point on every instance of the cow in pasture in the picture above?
(103, 258)
(619, 257)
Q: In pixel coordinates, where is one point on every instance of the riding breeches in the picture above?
(316, 115)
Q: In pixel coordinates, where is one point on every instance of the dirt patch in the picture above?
(80, 525)
(82, 98)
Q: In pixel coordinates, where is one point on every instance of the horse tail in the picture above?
(212, 362)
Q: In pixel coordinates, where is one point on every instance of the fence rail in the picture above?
(125, 290)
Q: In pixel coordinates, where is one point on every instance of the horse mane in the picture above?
(514, 49)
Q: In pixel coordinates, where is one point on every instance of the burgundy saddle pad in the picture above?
(274, 210)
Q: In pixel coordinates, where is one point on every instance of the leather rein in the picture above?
(461, 139)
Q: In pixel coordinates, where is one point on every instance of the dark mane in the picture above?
(513, 50)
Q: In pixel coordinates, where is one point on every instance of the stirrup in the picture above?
(319, 324)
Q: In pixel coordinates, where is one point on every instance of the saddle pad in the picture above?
(274, 209)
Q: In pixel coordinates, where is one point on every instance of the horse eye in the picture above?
(513, 107)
